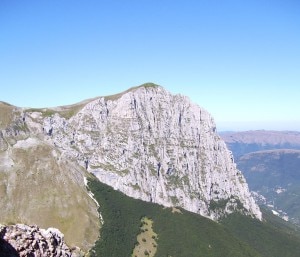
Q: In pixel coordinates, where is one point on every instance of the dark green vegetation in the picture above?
(185, 234)
(272, 237)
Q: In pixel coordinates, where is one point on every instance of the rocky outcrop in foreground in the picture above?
(22, 240)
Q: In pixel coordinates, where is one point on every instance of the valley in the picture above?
(270, 162)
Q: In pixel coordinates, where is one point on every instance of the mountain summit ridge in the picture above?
(150, 145)
(154, 146)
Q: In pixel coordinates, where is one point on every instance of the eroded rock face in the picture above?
(150, 145)
(154, 146)
(23, 241)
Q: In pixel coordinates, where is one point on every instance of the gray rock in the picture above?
(22, 240)
(153, 146)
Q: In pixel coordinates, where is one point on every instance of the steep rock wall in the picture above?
(154, 146)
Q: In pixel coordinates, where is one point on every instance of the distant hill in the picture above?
(270, 162)
(250, 141)
(275, 174)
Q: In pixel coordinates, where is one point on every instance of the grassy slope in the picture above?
(146, 240)
(37, 187)
(117, 96)
(185, 234)
(68, 111)
(6, 114)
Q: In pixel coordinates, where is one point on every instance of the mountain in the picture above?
(270, 161)
(145, 142)
(151, 145)
(256, 140)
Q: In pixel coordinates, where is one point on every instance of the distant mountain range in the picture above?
(244, 142)
(270, 161)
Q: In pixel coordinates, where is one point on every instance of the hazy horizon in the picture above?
(258, 125)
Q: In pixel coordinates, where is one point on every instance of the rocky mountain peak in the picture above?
(154, 146)
(146, 86)
(151, 145)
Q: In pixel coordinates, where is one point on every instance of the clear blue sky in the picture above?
(240, 60)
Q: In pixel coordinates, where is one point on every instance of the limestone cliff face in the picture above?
(151, 145)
